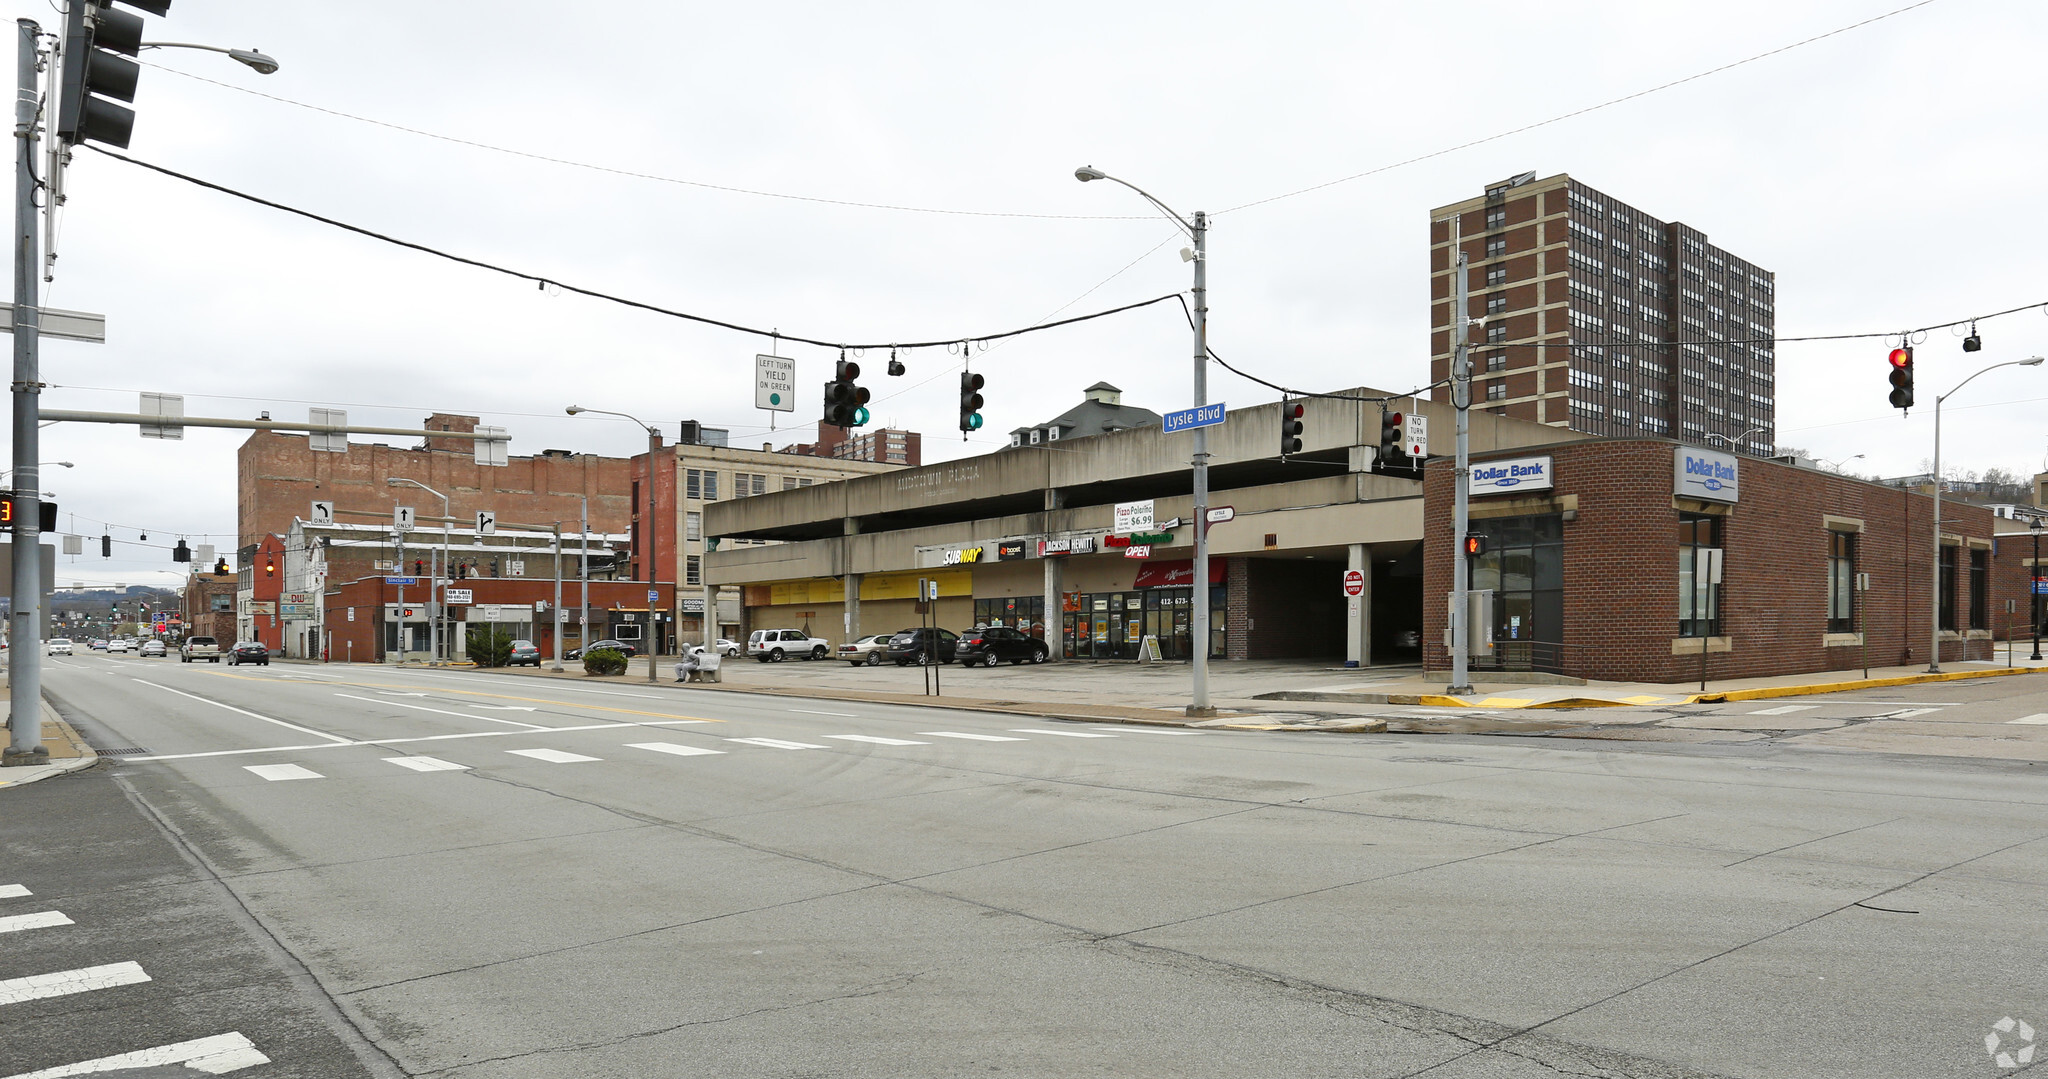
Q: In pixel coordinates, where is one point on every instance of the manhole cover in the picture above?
(1431, 760)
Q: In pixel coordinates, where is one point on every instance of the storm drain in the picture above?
(118, 752)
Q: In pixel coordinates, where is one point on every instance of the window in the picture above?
(693, 569)
(1496, 248)
(1496, 361)
(1496, 275)
(1496, 218)
(749, 483)
(1699, 575)
(693, 525)
(700, 484)
(1496, 304)
(1841, 582)
(1524, 565)
(789, 483)
(1496, 334)
(1948, 588)
(1497, 391)
(1980, 588)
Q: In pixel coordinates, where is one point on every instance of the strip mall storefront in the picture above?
(1159, 605)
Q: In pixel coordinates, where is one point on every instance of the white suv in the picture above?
(776, 645)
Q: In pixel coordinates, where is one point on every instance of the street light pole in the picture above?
(2034, 589)
(25, 675)
(647, 532)
(1934, 607)
(1198, 232)
(435, 584)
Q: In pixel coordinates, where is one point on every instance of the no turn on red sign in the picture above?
(1354, 583)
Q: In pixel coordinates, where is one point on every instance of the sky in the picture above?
(904, 172)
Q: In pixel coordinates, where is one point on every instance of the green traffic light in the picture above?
(860, 417)
(974, 421)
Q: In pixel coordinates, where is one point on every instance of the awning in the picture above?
(1175, 573)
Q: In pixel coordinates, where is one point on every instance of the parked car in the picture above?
(620, 647)
(995, 644)
(248, 652)
(868, 650)
(922, 645)
(776, 645)
(198, 648)
(728, 648)
(151, 647)
(524, 653)
(119, 644)
(58, 646)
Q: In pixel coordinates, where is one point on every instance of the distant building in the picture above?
(1603, 319)
(1101, 411)
(887, 446)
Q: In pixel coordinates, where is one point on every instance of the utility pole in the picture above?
(1200, 622)
(25, 675)
(1461, 397)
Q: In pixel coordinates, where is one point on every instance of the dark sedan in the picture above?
(995, 644)
(248, 652)
(617, 646)
(917, 646)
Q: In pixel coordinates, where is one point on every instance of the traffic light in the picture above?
(270, 566)
(970, 401)
(46, 515)
(1392, 430)
(1902, 377)
(181, 553)
(1290, 426)
(846, 403)
(220, 568)
(98, 39)
(1475, 545)
(106, 546)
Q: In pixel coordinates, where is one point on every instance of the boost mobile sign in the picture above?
(1704, 474)
(1518, 475)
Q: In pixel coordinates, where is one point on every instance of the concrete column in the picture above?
(1055, 649)
(1358, 610)
(850, 581)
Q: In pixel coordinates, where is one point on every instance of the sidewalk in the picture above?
(68, 753)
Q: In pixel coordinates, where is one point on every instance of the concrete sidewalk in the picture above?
(68, 752)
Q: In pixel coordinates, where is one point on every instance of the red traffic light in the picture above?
(1294, 411)
(1475, 545)
(1902, 357)
(1395, 419)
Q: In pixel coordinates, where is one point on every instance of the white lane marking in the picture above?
(40, 920)
(552, 756)
(217, 1055)
(1062, 734)
(392, 693)
(877, 741)
(775, 743)
(975, 737)
(445, 712)
(671, 747)
(388, 742)
(1911, 712)
(13, 891)
(1143, 730)
(246, 712)
(428, 764)
(66, 982)
(1782, 710)
(2038, 718)
(842, 715)
(505, 707)
(283, 771)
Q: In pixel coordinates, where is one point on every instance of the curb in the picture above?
(1761, 693)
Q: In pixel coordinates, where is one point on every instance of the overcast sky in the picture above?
(1883, 173)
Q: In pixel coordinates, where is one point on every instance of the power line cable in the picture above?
(549, 282)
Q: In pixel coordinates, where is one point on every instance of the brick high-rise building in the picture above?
(887, 445)
(1604, 319)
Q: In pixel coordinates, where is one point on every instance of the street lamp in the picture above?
(1198, 231)
(653, 448)
(1934, 608)
(1736, 442)
(435, 582)
(2034, 586)
(65, 464)
(262, 64)
(1837, 462)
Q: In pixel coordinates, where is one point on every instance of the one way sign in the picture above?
(486, 522)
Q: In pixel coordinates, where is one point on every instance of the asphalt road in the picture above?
(469, 874)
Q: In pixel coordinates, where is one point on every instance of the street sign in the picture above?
(402, 580)
(1219, 514)
(775, 383)
(70, 325)
(327, 441)
(401, 519)
(486, 522)
(1133, 517)
(2041, 586)
(1354, 583)
(515, 567)
(1416, 436)
(168, 406)
(653, 597)
(1188, 419)
(461, 595)
(323, 513)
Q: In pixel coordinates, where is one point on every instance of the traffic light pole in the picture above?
(1200, 622)
(1461, 397)
(25, 643)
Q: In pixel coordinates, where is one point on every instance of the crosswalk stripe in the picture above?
(1911, 712)
(1783, 709)
(428, 764)
(40, 920)
(13, 891)
(552, 756)
(975, 737)
(217, 1055)
(283, 771)
(877, 741)
(2037, 718)
(775, 743)
(671, 747)
(66, 982)
(1062, 734)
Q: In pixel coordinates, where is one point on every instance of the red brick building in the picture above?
(209, 606)
(362, 617)
(1620, 559)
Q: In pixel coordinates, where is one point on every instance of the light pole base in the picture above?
(1200, 713)
(1459, 689)
(24, 758)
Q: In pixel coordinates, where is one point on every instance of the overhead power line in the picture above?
(549, 282)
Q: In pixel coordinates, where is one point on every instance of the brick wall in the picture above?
(1621, 568)
(1237, 608)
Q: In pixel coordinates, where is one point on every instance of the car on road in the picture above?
(865, 651)
(729, 648)
(151, 647)
(620, 647)
(198, 648)
(776, 645)
(120, 644)
(998, 644)
(99, 644)
(524, 653)
(248, 652)
(58, 646)
(922, 645)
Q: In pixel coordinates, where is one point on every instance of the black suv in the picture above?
(990, 646)
(916, 646)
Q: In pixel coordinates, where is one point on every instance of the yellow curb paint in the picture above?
(1506, 702)
(1860, 683)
